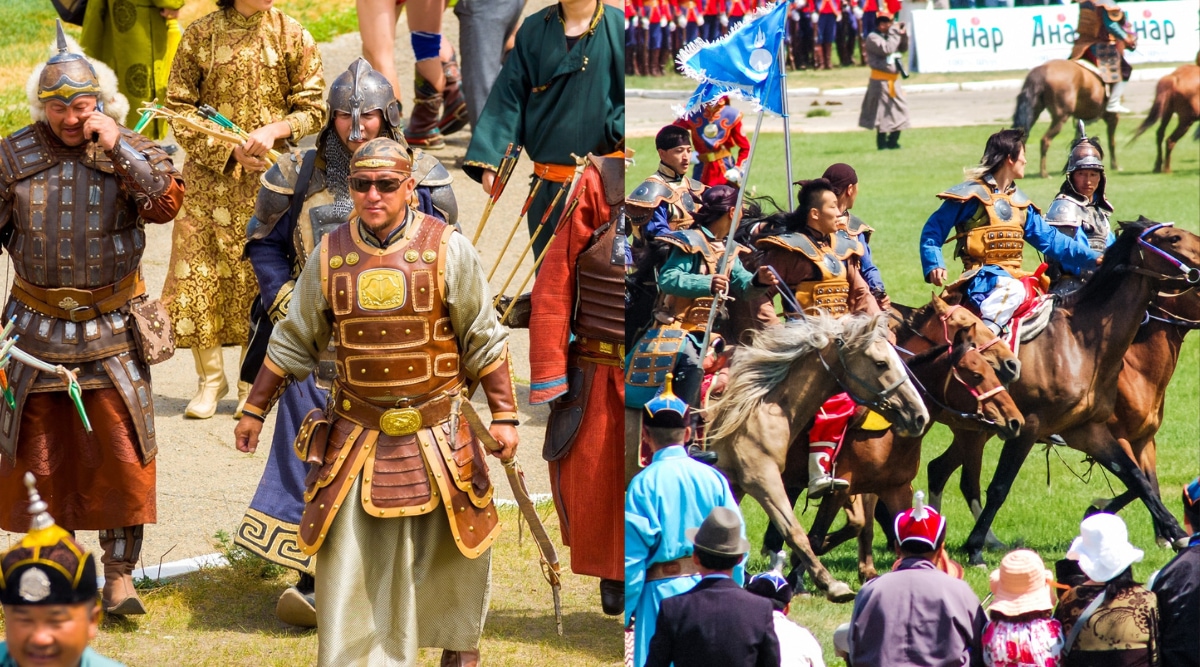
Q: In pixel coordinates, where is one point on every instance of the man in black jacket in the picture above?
(716, 623)
(1177, 587)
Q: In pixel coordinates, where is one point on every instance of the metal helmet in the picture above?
(359, 90)
(67, 75)
(1085, 153)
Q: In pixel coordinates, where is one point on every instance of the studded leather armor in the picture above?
(996, 233)
(831, 290)
(600, 272)
(690, 313)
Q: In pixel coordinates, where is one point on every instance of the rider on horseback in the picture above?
(1101, 39)
(1081, 206)
(666, 200)
(821, 262)
(993, 219)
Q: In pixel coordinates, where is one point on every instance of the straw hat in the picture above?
(1102, 548)
(1021, 584)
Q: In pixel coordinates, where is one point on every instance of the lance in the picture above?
(568, 210)
(537, 185)
(516, 479)
(503, 173)
(723, 264)
(571, 185)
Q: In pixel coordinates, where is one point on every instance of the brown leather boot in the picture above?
(422, 130)
(818, 60)
(122, 547)
(656, 58)
(827, 54)
(460, 658)
(454, 105)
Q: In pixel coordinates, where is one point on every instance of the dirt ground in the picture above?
(204, 484)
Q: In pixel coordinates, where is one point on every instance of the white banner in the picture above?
(980, 40)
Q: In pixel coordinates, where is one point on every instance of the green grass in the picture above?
(897, 191)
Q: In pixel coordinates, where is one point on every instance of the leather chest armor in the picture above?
(996, 233)
(391, 324)
(690, 313)
(830, 291)
(600, 270)
(682, 198)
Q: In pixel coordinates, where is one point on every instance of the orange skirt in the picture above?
(91, 481)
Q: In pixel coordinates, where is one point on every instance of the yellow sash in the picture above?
(890, 77)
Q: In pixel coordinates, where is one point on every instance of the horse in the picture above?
(1069, 382)
(937, 322)
(957, 384)
(1065, 89)
(778, 381)
(1176, 93)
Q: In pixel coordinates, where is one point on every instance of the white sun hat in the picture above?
(1102, 548)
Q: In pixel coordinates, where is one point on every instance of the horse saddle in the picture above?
(1108, 75)
(1034, 321)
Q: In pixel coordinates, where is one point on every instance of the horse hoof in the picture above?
(975, 558)
(839, 592)
(866, 575)
(992, 543)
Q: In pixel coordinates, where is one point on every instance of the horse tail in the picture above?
(1026, 115)
(1162, 99)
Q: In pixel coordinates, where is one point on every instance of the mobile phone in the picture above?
(100, 109)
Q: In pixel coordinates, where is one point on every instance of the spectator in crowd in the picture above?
(797, 646)
(1177, 588)
(829, 13)
(916, 614)
(1022, 632)
(884, 107)
(717, 623)
(1109, 619)
(138, 41)
(486, 29)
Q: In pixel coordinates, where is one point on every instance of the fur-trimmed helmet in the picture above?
(68, 75)
(359, 90)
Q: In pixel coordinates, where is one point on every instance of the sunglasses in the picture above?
(382, 185)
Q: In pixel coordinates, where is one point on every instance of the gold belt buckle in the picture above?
(400, 421)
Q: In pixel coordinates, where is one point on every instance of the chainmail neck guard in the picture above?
(337, 176)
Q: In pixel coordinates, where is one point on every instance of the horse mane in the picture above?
(767, 358)
(1114, 269)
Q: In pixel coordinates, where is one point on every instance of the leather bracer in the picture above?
(141, 176)
(498, 386)
(268, 386)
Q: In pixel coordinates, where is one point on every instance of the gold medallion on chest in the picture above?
(410, 255)
(381, 289)
(400, 421)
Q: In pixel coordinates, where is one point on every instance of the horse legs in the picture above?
(818, 535)
(1158, 141)
(1056, 125)
(1110, 122)
(939, 470)
(866, 538)
(1012, 456)
(1180, 129)
(1108, 453)
(968, 484)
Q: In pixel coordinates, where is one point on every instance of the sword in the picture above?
(516, 480)
(507, 164)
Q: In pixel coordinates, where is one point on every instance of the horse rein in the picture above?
(977, 416)
(1188, 274)
(1170, 318)
(881, 401)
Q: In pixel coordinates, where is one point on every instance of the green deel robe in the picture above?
(133, 38)
(554, 102)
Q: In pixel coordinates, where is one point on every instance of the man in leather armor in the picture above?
(577, 327)
(993, 219)
(76, 192)
(1101, 39)
(1081, 208)
(362, 107)
(405, 301)
(844, 180)
(667, 199)
(821, 263)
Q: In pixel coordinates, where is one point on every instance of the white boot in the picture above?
(212, 383)
(1114, 99)
(820, 482)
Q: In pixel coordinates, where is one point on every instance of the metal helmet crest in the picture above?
(359, 90)
(1085, 153)
(67, 75)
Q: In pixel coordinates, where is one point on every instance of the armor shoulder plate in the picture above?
(855, 226)
(968, 190)
(1064, 211)
(22, 154)
(651, 193)
(690, 241)
(429, 171)
(1020, 199)
(794, 241)
(730, 115)
(696, 187)
(846, 246)
(281, 177)
(444, 201)
(612, 175)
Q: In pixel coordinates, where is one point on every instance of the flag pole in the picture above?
(730, 243)
(787, 126)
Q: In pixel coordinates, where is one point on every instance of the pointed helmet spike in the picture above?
(62, 38)
(668, 385)
(1080, 131)
(919, 512)
(37, 507)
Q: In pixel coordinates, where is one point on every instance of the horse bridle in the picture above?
(1170, 318)
(881, 401)
(979, 397)
(1188, 274)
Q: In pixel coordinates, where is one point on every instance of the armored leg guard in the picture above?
(422, 130)
(213, 387)
(122, 547)
(454, 105)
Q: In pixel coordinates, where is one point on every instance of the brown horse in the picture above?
(957, 384)
(1065, 89)
(937, 322)
(777, 383)
(1070, 371)
(1177, 93)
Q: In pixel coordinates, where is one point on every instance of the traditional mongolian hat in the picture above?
(666, 410)
(1102, 548)
(68, 75)
(773, 586)
(47, 566)
(921, 526)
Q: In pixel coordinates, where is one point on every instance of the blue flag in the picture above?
(744, 62)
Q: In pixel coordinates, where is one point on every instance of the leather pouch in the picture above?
(566, 413)
(152, 330)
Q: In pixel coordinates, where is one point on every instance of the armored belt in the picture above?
(680, 567)
(601, 351)
(394, 421)
(78, 305)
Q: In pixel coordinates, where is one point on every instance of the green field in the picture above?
(897, 191)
